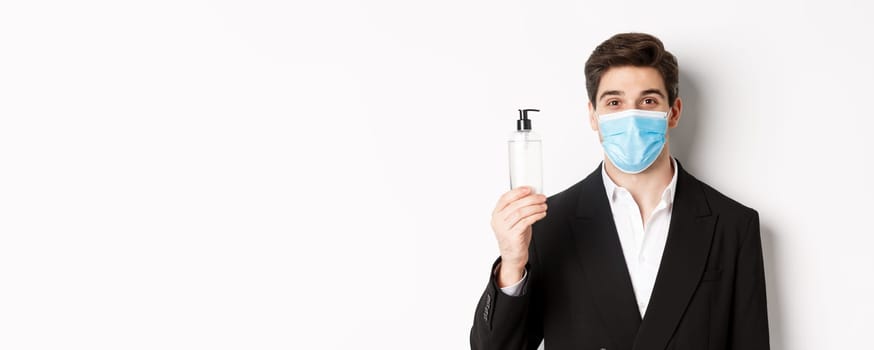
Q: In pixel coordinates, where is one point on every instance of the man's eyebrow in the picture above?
(653, 91)
(611, 93)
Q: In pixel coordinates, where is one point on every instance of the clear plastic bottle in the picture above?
(526, 164)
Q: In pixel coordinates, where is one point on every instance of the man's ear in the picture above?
(676, 112)
(592, 122)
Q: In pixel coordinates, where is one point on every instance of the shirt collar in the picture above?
(667, 194)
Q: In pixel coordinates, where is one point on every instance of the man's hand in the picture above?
(516, 210)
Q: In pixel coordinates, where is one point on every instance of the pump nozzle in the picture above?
(524, 123)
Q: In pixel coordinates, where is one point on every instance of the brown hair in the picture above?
(632, 49)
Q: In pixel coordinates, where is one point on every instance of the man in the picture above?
(639, 254)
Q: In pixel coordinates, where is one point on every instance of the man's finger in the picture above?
(519, 214)
(528, 220)
(523, 202)
(511, 196)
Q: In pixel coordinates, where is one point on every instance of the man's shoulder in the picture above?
(565, 201)
(724, 205)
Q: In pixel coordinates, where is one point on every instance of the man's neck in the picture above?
(647, 186)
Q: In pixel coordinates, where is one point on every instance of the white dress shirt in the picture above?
(642, 245)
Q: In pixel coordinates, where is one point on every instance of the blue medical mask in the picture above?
(633, 138)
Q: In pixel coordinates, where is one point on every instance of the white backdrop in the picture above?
(274, 175)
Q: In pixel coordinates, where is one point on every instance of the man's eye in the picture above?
(613, 103)
(649, 101)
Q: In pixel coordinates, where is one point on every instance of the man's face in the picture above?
(630, 87)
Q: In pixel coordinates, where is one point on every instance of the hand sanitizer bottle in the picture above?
(526, 167)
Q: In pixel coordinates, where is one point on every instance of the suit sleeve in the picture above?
(750, 310)
(508, 322)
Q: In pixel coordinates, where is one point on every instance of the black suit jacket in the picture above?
(709, 292)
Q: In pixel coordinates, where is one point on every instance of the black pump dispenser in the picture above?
(524, 124)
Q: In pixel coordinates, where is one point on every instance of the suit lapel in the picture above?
(683, 261)
(600, 255)
(599, 252)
